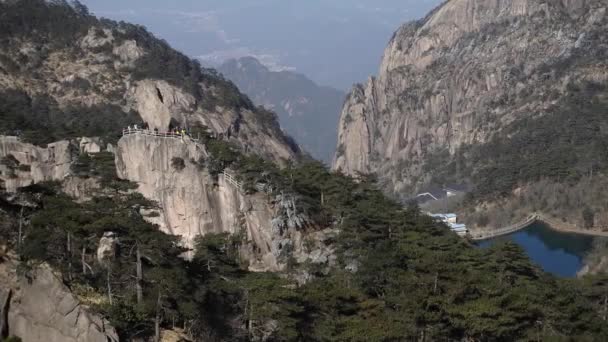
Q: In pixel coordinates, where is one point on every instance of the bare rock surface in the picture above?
(35, 164)
(42, 309)
(194, 203)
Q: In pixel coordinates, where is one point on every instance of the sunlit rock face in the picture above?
(24, 164)
(193, 203)
(463, 73)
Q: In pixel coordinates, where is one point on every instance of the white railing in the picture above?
(151, 133)
(230, 178)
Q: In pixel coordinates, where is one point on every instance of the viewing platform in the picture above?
(148, 132)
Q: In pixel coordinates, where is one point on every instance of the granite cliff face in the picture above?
(119, 74)
(25, 164)
(42, 309)
(192, 203)
(459, 76)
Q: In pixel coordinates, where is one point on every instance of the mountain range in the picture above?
(306, 111)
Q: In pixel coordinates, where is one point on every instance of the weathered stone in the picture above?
(38, 164)
(90, 145)
(193, 203)
(110, 148)
(173, 336)
(81, 189)
(460, 75)
(158, 101)
(97, 37)
(128, 52)
(42, 309)
(106, 250)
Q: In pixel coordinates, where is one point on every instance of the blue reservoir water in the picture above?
(559, 253)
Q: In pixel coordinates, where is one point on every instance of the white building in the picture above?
(452, 221)
(459, 228)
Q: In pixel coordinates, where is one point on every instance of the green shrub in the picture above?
(178, 163)
(12, 339)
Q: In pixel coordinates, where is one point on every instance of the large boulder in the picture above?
(42, 309)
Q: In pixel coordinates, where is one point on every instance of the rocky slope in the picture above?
(115, 72)
(466, 76)
(41, 309)
(306, 110)
(80, 74)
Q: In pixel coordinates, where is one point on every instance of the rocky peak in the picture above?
(157, 102)
(193, 203)
(420, 43)
(459, 76)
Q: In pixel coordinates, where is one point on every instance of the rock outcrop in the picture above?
(106, 250)
(458, 76)
(159, 104)
(42, 309)
(194, 203)
(24, 164)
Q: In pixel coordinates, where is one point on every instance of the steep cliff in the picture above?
(464, 77)
(192, 202)
(42, 309)
(117, 74)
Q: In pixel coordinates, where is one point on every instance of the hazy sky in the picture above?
(334, 42)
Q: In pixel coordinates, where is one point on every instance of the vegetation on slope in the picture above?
(564, 150)
(39, 119)
(33, 30)
(414, 279)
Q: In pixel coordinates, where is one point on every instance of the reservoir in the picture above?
(561, 254)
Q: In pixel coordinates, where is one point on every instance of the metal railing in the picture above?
(231, 178)
(151, 133)
(507, 230)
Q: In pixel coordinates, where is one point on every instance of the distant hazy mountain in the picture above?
(306, 111)
(307, 39)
